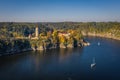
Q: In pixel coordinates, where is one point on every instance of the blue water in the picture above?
(65, 64)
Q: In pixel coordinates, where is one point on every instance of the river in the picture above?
(65, 64)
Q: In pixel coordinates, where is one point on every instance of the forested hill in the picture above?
(18, 37)
(12, 29)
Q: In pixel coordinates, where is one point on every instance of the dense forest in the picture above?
(14, 36)
(24, 29)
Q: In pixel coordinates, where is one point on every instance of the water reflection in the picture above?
(64, 54)
(55, 56)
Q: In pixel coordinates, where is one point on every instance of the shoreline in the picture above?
(109, 36)
(41, 48)
(101, 35)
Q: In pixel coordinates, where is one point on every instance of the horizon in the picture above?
(59, 21)
(63, 22)
(59, 11)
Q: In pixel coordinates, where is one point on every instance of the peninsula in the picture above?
(17, 37)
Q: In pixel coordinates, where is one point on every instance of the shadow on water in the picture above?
(49, 64)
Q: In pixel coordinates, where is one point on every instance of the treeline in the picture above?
(112, 28)
(12, 29)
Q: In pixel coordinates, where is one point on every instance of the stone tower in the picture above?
(36, 31)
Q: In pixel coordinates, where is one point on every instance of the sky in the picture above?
(59, 10)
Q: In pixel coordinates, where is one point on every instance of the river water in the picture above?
(65, 64)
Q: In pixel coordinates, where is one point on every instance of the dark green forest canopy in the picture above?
(8, 29)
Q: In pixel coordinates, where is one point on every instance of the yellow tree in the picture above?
(55, 33)
(55, 38)
(63, 40)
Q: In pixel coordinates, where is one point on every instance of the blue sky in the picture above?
(59, 10)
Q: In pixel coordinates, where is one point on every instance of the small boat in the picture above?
(93, 64)
(98, 43)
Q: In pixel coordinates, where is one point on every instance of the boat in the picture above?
(98, 43)
(93, 64)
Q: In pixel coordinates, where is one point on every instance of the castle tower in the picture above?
(36, 31)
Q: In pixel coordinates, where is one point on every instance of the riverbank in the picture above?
(17, 49)
(105, 35)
